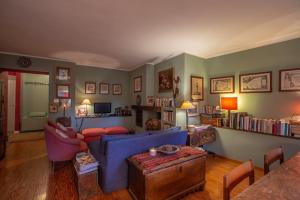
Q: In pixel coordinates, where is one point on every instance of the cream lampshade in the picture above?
(186, 105)
(86, 102)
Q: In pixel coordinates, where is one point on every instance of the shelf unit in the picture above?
(168, 117)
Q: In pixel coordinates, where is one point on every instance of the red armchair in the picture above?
(60, 146)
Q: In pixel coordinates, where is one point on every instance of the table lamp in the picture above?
(186, 105)
(229, 103)
(86, 102)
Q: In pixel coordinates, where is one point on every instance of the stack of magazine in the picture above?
(85, 163)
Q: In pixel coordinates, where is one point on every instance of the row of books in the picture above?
(168, 116)
(243, 121)
(160, 101)
(207, 109)
(85, 163)
(295, 129)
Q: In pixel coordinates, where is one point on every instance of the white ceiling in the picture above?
(124, 34)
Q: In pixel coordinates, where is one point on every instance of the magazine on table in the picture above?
(85, 161)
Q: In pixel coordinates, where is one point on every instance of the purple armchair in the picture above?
(61, 147)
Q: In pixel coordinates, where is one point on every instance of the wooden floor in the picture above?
(26, 174)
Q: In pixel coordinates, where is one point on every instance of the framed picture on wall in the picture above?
(53, 108)
(165, 80)
(104, 88)
(117, 89)
(197, 92)
(90, 87)
(137, 81)
(63, 91)
(221, 85)
(289, 80)
(256, 82)
(63, 73)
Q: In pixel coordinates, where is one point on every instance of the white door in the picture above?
(11, 104)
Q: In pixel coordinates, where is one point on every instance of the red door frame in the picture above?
(5, 114)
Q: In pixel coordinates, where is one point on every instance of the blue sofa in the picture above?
(112, 152)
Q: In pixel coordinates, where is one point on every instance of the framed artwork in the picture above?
(256, 82)
(289, 80)
(53, 108)
(221, 85)
(165, 80)
(90, 88)
(117, 89)
(63, 73)
(104, 88)
(197, 92)
(194, 112)
(63, 91)
(137, 81)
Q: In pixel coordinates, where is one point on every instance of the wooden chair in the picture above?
(236, 176)
(272, 156)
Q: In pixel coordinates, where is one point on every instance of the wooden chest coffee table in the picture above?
(169, 180)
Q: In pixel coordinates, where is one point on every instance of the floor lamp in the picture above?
(186, 105)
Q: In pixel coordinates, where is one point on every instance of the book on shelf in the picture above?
(168, 116)
(85, 162)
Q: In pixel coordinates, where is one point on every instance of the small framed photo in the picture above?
(289, 80)
(221, 85)
(165, 80)
(90, 87)
(194, 112)
(103, 88)
(197, 92)
(63, 73)
(256, 82)
(117, 89)
(53, 108)
(63, 91)
(137, 81)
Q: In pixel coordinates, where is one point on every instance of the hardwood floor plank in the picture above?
(25, 174)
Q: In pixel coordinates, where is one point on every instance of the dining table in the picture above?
(282, 183)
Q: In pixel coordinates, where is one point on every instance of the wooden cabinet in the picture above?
(171, 181)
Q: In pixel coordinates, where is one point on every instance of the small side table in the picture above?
(87, 184)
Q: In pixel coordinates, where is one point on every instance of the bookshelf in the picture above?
(168, 117)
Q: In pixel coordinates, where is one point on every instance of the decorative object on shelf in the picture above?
(220, 85)
(53, 108)
(176, 89)
(289, 80)
(117, 89)
(90, 87)
(153, 125)
(138, 100)
(195, 111)
(150, 101)
(137, 82)
(24, 62)
(229, 103)
(168, 149)
(197, 92)
(63, 91)
(165, 80)
(63, 73)
(186, 105)
(120, 111)
(256, 82)
(104, 88)
(152, 151)
(86, 102)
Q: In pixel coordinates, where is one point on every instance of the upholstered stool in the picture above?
(116, 130)
(92, 134)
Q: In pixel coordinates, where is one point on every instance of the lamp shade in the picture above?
(229, 103)
(86, 102)
(187, 105)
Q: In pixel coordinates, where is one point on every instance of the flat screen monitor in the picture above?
(100, 108)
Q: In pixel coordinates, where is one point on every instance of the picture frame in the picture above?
(117, 89)
(63, 91)
(90, 87)
(222, 85)
(165, 80)
(53, 108)
(289, 80)
(104, 88)
(260, 82)
(137, 83)
(63, 73)
(197, 88)
(194, 112)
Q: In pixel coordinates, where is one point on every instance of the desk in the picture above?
(280, 184)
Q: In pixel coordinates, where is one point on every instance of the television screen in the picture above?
(100, 108)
